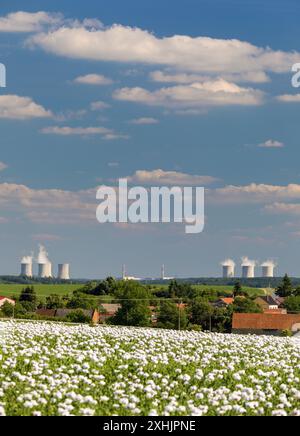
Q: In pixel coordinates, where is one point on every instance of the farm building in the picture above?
(4, 300)
(94, 315)
(265, 323)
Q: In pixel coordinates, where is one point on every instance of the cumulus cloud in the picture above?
(99, 105)
(211, 93)
(68, 131)
(93, 79)
(161, 177)
(196, 54)
(144, 121)
(48, 206)
(27, 22)
(283, 208)
(270, 143)
(289, 98)
(186, 78)
(21, 108)
(255, 193)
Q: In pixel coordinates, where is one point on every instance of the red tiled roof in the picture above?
(227, 300)
(264, 321)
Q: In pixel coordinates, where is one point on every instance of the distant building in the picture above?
(93, 314)
(267, 302)
(4, 300)
(224, 302)
(265, 323)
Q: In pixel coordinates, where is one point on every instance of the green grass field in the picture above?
(41, 290)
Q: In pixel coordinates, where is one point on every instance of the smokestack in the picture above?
(44, 264)
(268, 268)
(248, 267)
(228, 268)
(64, 271)
(26, 266)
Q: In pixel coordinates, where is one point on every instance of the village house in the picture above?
(93, 315)
(4, 300)
(265, 323)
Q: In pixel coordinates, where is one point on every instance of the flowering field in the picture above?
(55, 369)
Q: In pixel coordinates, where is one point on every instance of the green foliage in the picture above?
(78, 316)
(134, 300)
(81, 301)
(170, 316)
(292, 304)
(54, 302)
(285, 289)
(28, 294)
(201, 312)
(246, 305)
(238, 290)
(7, 310)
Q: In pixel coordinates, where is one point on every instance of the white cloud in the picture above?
(255, 193)
(115, 136)
(3, 166)
(48, 206)
(21, 108)
(99, 105)
(195, 95)
(283, 208)
(270, 143)
(289, 98)
(144, 120)
(185, 78)
(107, 134)
(195, 54)
(83, 131)
(27, 22)
(93, 79)
(161, 177)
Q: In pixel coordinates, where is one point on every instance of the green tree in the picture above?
(246, 305)
(78, 317)
(292, 304)
(7, 310)
(81, 301)
(286, 288)
(201, 312)
(237, 290)
(170, 316)
(28, 294)
(135, 300)
(54, 301)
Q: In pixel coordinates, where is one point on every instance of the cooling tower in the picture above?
(64, 271)
(45, 270)
(248, 271)
(26, 269)
(228, 271)
(267, 270)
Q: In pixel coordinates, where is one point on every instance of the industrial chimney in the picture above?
(64, 271)
(228, 268)
(26, 266)
(248, 267)
(268, 268)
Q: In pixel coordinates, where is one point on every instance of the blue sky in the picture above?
(245, 135)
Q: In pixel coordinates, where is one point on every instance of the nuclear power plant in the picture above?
(26, 266)
(268, 268)
(63, 271)
(247, 268)
(228, 268)
(44, 266)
